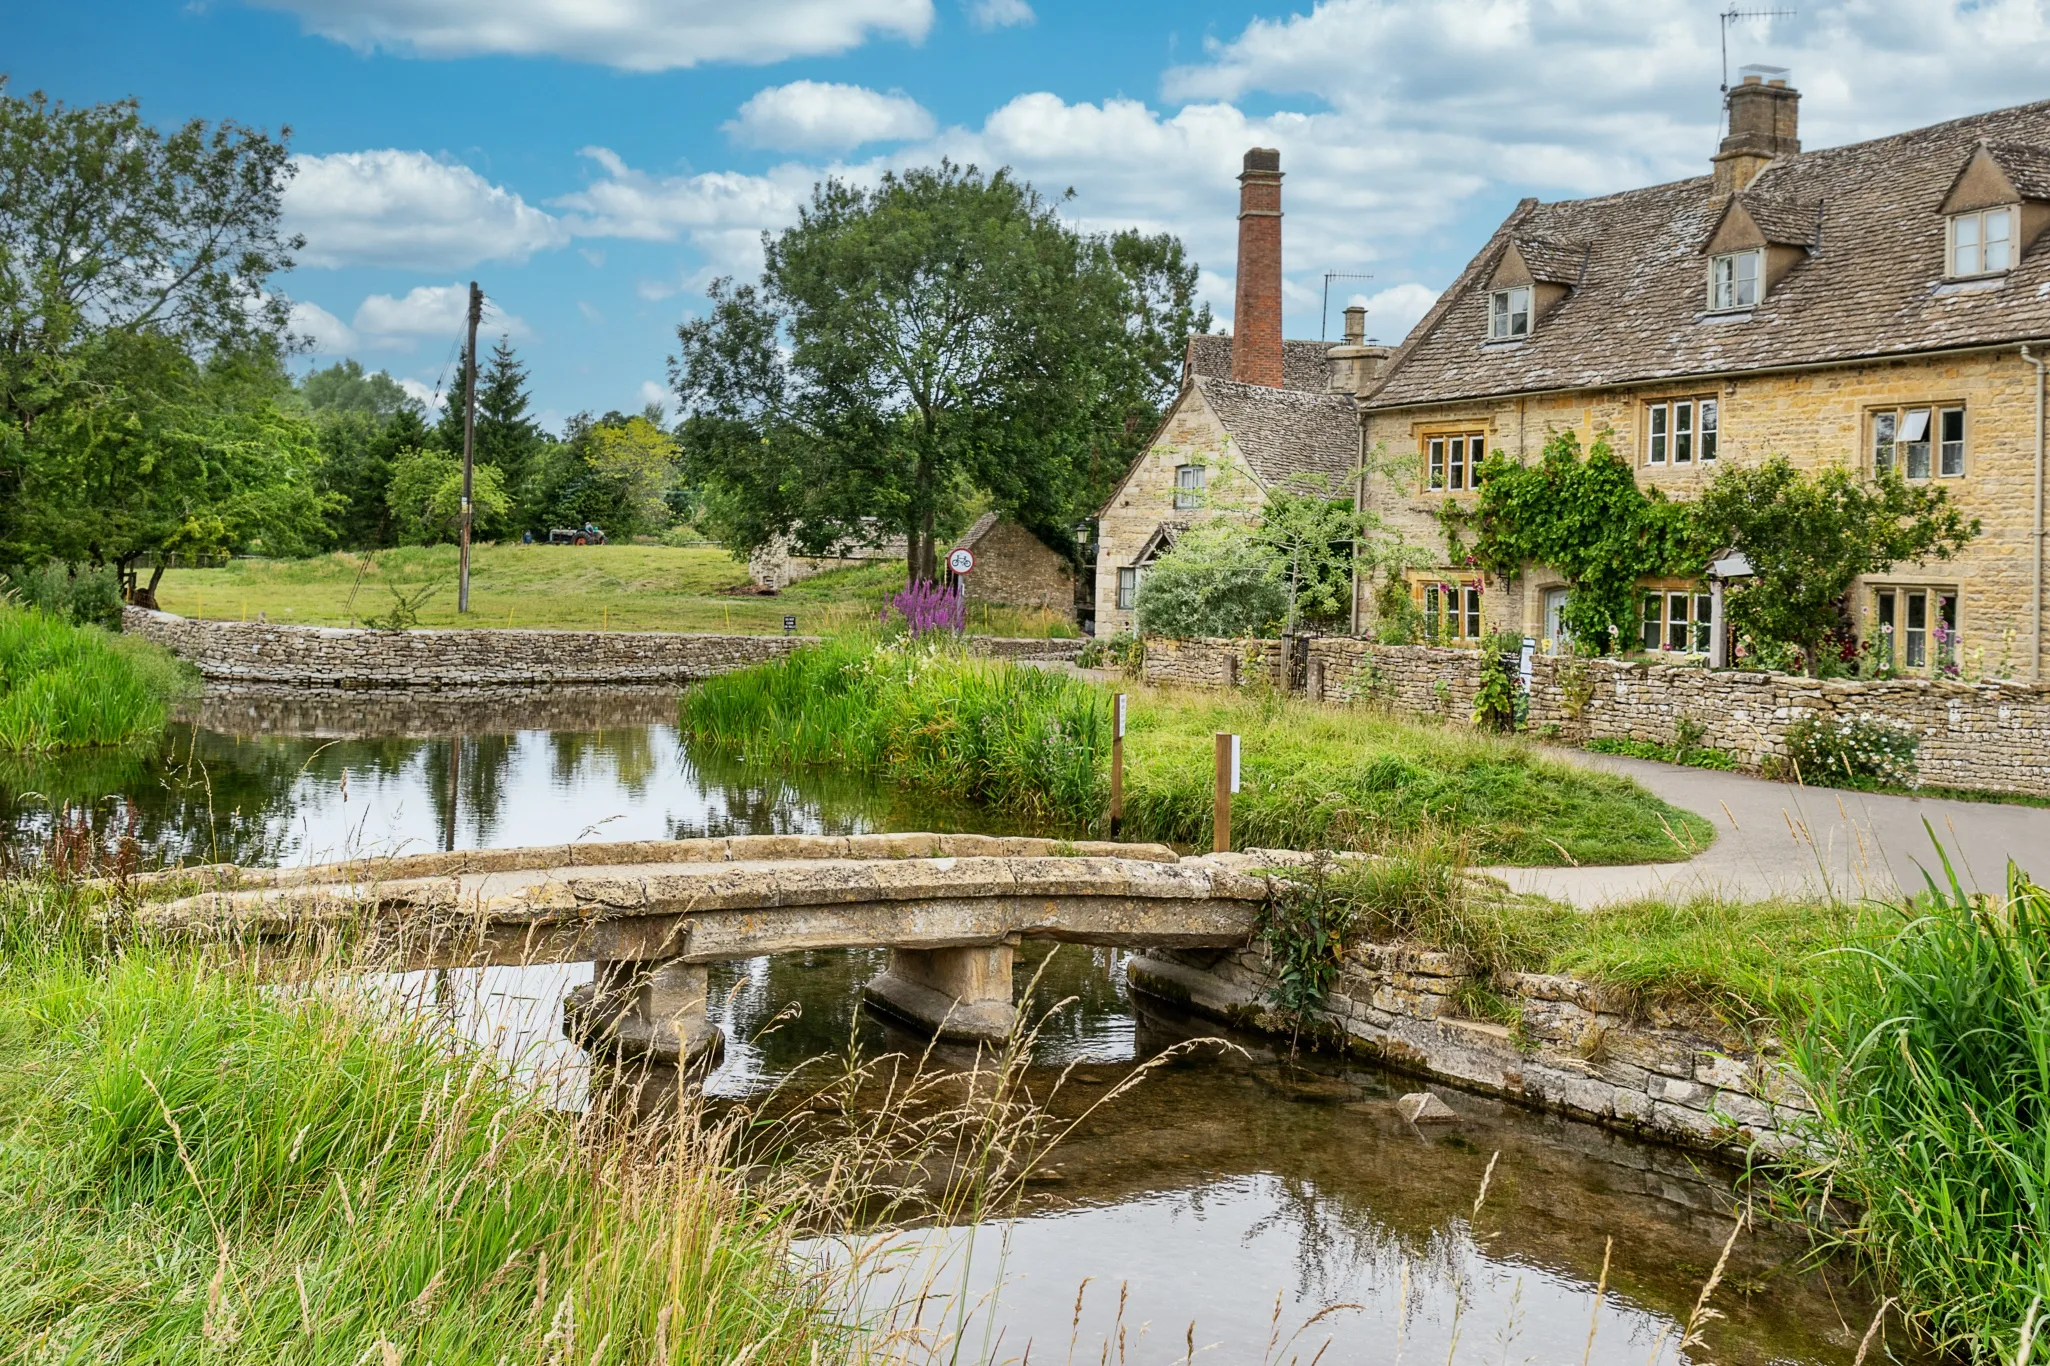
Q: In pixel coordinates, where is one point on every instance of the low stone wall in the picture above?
(1986, 735)
(349, 659)
(1573, 1053)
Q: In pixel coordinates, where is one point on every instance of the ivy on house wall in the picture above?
(1584, 516)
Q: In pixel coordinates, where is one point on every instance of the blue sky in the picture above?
(594, 163)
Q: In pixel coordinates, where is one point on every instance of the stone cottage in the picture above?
(1254, 412)
(1015, 568)
(1883, 305)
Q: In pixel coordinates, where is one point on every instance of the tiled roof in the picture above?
(2026, 166)
(1304, 365)
(1553, 263)
(1872, 286)
(975, 532)
(1283, 432)
(1784, 222)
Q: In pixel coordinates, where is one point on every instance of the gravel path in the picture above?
(1778, 839)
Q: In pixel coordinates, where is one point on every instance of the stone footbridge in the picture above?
(651, 915)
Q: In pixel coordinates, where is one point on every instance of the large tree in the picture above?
(1810, 537)
(505, 438)
(908, 346)
(134, 274)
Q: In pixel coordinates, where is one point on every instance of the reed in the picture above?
(1025, 740)
(74, 687)
(1929, 1066)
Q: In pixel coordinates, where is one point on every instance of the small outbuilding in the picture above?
(1015, 568)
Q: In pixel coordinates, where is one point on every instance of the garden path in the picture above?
(1777, 839)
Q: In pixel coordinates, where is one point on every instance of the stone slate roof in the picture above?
(1872, 286)
(1554, 263)
(2028, 167)
(1304, 365)
(1284, 432)
(975, 532)
(1785, 222)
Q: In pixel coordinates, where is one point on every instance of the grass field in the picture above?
(79, 687)
(618, 587)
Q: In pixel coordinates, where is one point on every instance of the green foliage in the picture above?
(1397, 618)
(613, 471)
(404, 613)
(203, 1163)
(1852, 751)
(1810, 537)
(138, 335)
(1022, 739)
(73, 687)
(1929, 1069)
(942, 338)
(1216, 580)
(1691, 755)
(1120, 650)
(1495, 701)
(76, 593)
(1303, 928)
(345, 387)
(1311, 526)
(425, 497)
(1587, 518)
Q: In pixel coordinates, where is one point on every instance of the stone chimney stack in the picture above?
(1764, 123)
(1256, 313)
(1354, 363)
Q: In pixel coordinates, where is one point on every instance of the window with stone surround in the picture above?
(1682, 431)
(1188, 487)
(1128, 587)
(1675, 619)
(1920, 441)
(1452, 611)
(1915, 628)
(1452, 461)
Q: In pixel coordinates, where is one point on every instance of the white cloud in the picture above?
(1392, 312)
(805, 115)
(637, 35)
(999, 13)
(652, 392)
(430, 312)
(329, 335)
(408, 209)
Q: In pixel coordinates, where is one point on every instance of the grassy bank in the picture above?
(1037, 742)
(76, 687)
(196, 1168)
(624, 587)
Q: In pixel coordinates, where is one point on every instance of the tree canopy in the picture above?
(908, 347)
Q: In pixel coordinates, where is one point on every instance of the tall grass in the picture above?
(1027, 740)
(72, 687)
(1929, 1066)
(199, 1167)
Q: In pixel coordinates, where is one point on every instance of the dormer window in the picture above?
(1733, 280)
(1982, 242)
(1509, 314)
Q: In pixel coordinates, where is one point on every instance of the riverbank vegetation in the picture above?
(76, 687)
(1035, 741)
(583, 588)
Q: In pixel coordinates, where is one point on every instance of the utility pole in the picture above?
(469, 449)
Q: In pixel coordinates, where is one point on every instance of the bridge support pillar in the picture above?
(960, 995)
(653, 1012)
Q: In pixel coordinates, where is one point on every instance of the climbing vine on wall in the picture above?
(1584, 516)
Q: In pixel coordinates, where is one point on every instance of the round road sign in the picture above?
(961, 560)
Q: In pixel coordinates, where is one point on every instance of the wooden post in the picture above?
(1227, 783)
(1117, 764)
(469, 443)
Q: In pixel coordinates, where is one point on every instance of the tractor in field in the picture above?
(587, 534)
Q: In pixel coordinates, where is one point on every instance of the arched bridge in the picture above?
(652, 914)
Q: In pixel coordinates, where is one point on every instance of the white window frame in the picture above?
(1969, 242)
(1188, 486)
(1938, 450)
(1128, 587)
(1682, 431)
(1452, 461)
(1675, 621)
(1905, 622)
(1730, 289)
(1509, 314)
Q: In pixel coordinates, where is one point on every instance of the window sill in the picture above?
(1970, 284)
(1725, 315)
(1504, 343)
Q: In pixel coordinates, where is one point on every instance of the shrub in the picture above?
(80, 594)
(1122, 650)
(1855, 751)
(1215, 581)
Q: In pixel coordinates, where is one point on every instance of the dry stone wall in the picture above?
(350, 659)
(1573, 1052)
(1988, 736)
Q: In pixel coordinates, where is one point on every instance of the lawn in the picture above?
(617, 587)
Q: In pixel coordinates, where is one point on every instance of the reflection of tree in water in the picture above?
(759, 801)
(628, 752)
(1341, 1244)
(483, 767)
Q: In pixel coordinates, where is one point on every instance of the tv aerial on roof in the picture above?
(1324, 323)
(1731, 16)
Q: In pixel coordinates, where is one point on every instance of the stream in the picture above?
(1229, 1199)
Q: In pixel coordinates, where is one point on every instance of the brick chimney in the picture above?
(1256, 314)
(1764, 121)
